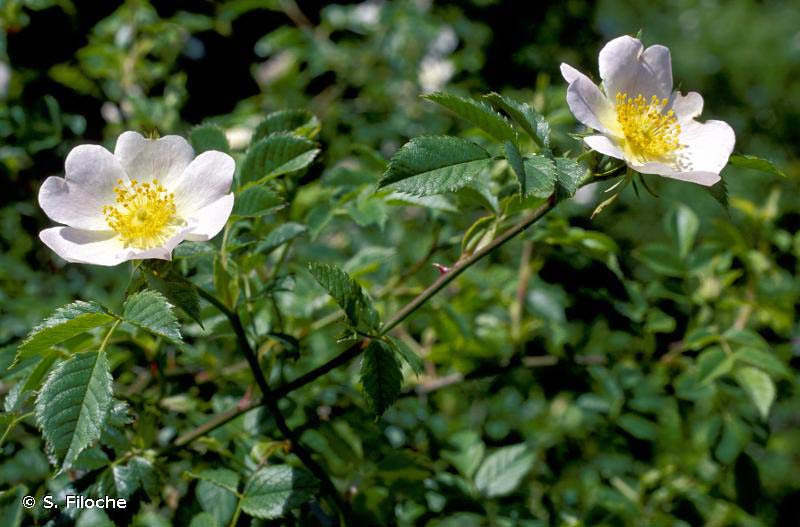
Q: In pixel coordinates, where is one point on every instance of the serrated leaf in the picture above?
(568, 177)
(275, 155)
(91, 459)
(146, 474)
(433, 165)
(755, 163)
(283, 233)
(381, 375)
(208, 137)
(149, 310)
(759, 387)
(763, 360)
(515, 161)
(478, 113)
(21, 391)
(273, 491)
(502, 471)
(348, 294)
(221, 477)
(65, 323)
(540, 174)
(255, 201)
(176, 289)
(534, 124)
(299, 122)
(408, 355)
(73, 405)
(113, 434)
(218, 501)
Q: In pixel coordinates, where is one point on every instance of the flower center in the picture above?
(144, 214)
(649, 132)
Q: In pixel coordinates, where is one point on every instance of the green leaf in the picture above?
(25, 387)
(468, 453)
(759, 387)
(348, 294)
(763, 360)
(502, 470)
(73, 405)
(146, 474)
(149, 310)
(681, 224)
(434, 164)
(298, 122)
(65, 323)
(11, 510)
(540, 174)
(478, 113)
(712, 364)
(204, 519)
(568, 177)
(275, 155)
(218, 501)
(255, 201)
(283, 233)
(408, 355)
(273, 491)
(661, 259)
(638, 426)
(222, 477)
(755, 163)
(534, 124)
(381, 375)
(517, 165)
(178, 290)
(208, 137)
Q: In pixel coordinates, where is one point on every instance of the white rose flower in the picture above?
(642, 121)
(137, 203)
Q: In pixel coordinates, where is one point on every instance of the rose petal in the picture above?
(707, 146)
(626, 68)
(94, 170)
(604, 145)
(207, 179)
(209, 220)
(686, 107)
(146, 159)
(161, 253)
(84, 246)
(67, 203)
(570, 74)
(701, 178)
(589, 106)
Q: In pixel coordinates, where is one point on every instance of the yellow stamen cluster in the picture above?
(144, 213)
(650, 133)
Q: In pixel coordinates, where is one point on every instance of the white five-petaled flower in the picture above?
(139, 202)
(642, 121)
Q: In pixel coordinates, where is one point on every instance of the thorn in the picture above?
(443, 269)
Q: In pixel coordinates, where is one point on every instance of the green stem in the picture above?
(108, 335)
(270, 403)
(12, 425)
(357, 348)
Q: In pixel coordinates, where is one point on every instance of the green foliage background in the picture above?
(636, 369)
